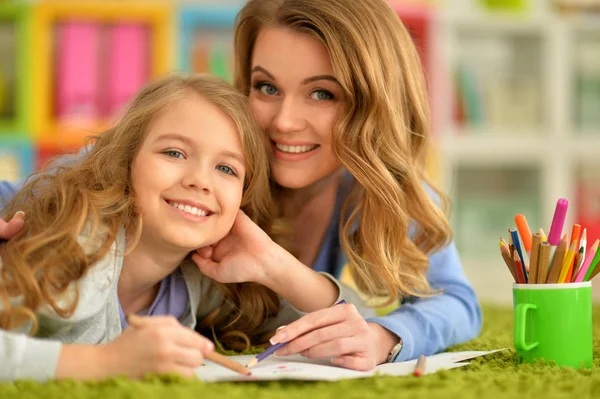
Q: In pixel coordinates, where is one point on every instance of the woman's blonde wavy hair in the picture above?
(95, 195)
(381, 139)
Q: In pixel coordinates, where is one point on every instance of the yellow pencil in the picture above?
(541, 232)
(567, 263)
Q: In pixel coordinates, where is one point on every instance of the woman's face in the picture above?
(297, 100)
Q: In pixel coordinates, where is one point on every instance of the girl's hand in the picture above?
(10, 229)
(158, 345)
(338, 332)
(239, 257)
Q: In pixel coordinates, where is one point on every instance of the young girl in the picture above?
(110, 236)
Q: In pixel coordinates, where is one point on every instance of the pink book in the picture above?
(78, 81)
(128, 67)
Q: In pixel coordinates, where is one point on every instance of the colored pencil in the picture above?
(587, 262)
(575, 235)
(558, 221)
(519, 268)
(594, 268)
(420, 366)
(543, 258)
(517, 245)
(533, 260)
(566, 263)
(506, 256)
(557, 261)
(524, 231)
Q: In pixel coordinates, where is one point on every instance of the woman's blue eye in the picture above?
(174, 154)
(321, 95)
(227, 170)
(267, 89)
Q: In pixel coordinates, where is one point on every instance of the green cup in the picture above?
(554, 322)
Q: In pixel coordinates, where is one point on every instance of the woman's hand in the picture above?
(10, 229)
(157, 345)
(239, 257)
(340, 333)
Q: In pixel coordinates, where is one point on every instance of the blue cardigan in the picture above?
(426, 326)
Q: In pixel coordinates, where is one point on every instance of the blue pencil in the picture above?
(515, 237)
(272, 349)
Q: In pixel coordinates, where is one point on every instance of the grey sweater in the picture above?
(96, 318)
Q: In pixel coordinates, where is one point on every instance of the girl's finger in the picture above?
(205, 252)
(10, 229)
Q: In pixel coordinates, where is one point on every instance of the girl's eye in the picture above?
(227, 170)
(321, 95)
(266, 88)
(174, 154)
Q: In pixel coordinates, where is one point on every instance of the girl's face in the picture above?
(297, 99)
(188, 176)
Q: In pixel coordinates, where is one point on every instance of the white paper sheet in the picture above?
(300, 368)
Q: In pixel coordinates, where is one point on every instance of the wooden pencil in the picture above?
(420, 366)
(557, 261)
(577, 264)
(506, 256)
(543, 259)
(519, 268)
(533, 260)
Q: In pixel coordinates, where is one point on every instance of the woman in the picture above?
(338, 88)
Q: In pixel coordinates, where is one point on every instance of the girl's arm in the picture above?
(160, 345)
(7, 191)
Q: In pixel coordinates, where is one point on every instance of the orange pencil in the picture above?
(575, 234)
(567, 264)
(557, 261)
(524, 231)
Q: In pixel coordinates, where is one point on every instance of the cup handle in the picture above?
(520, 327)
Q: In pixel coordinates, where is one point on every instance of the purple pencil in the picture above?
(272, 349)
(558, 221)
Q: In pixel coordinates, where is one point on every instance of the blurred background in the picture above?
(514, 85)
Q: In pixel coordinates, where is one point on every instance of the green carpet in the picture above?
(493, 376)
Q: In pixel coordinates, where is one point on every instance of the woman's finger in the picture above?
(206, 266)
(336, 348)
(318, 337)
(355, 362)
(315, 320)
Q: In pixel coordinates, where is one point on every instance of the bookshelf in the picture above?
(517, 131)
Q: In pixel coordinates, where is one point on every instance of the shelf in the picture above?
(523, 148)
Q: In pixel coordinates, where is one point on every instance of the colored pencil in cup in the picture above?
(575, 235)
(594, 268)
(557, 260)
(566, 263)
(544, 238)
(587, 262)
(558, 221)
(272, 349)
(533, 260)
(136, 321)
(506, 256)
(519, 268)
(579, 256)
(517, 245)
(543, 259)
(524, 232)
(420, 366)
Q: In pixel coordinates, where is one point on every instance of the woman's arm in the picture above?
(429, 325)
(249, 254)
